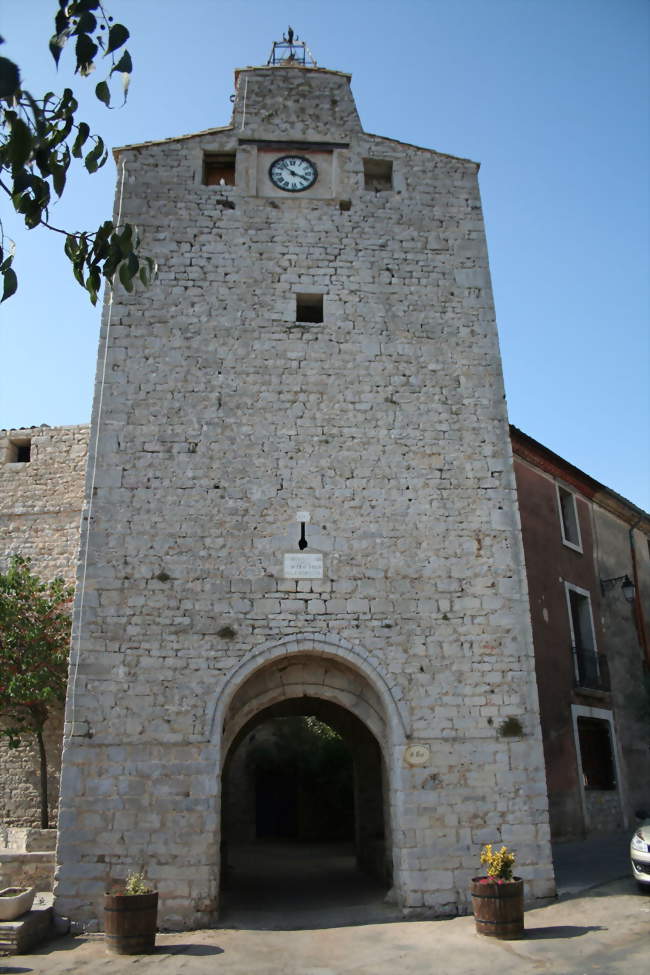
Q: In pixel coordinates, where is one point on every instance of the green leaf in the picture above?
(117, 36)
(19, 144)
(85, 51)
(10, 284)
(9, 78)
(70, 247)
(125, 240)
(61, 21)
(126, 277)
(59, 166)
(86, 24)
(93, 283)
(103, 92)
(57, 43)
(82, 135)
(124, 64)
(91, 161)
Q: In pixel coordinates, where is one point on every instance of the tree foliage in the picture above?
(40, 138)
(34, 645)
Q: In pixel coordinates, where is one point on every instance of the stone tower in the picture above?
(301, 500)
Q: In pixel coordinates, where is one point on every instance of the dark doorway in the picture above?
(303, 818)
(304, 788)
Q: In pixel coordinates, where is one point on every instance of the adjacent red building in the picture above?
(588, 566)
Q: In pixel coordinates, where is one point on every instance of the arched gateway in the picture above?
(328, 679)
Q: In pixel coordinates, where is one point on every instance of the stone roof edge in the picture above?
(230, 128)
(46, 426)
(537, 454)
(411, 145)
(171, 138)
(292, 67)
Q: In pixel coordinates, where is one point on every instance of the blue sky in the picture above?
(550, 96)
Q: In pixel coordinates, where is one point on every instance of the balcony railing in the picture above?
(591, 670)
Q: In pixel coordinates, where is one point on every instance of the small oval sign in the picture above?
(417, 755)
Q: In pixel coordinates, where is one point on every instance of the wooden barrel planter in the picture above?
(498, 908)
(130, 923)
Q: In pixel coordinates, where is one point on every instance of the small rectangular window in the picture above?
(309, 308)
(19, 452)
(569, 518)
(596, 755)
(378, 174)
(219, 168)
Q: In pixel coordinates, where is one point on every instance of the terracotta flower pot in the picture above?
(15, 901)
(498, 907)
(130, 923)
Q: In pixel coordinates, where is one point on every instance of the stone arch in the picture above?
(339, 651)
(309, 667)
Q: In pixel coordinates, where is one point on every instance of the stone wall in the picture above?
(41, 500)
(27, 857)
(40, 509)
(222, 416)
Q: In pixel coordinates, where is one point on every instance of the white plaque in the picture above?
(303, 516)
(300, 566)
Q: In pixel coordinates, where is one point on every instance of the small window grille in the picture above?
(219, 169)
(378, 174)
(309, 308)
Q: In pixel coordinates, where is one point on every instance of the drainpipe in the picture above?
(638, 606)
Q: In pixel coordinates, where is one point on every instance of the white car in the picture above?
(640, 855)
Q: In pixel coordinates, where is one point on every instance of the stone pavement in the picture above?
(605, 929)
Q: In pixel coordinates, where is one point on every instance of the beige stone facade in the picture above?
(42, 472)
(225, 416)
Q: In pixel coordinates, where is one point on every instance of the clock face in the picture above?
(292, 173)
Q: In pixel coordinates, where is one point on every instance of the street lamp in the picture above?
(627, 586)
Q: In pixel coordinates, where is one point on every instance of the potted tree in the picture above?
(130, 916)
(498, 898)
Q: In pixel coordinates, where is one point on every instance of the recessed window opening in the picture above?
(596, 756)
(309, 308)
(378, 174)
(20, 452)
(581, 623)
(219, 169)
(569, 518)
(590, 669)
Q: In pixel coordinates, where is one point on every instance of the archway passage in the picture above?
(303, 817)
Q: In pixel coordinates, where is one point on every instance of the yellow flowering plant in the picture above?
(136, 884)
(499, 863)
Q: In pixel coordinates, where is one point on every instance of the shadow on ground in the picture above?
(561, 931)
(197, 951)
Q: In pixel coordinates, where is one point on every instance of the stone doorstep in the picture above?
(19, 936)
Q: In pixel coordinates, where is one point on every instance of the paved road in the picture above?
(604, 930)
